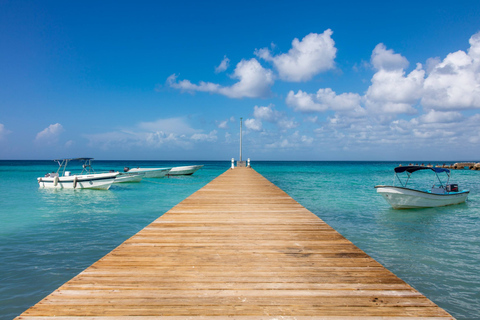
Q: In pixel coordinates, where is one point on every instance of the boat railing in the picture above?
(86, 167)
(409, 173)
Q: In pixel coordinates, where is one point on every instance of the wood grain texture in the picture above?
(239, 248)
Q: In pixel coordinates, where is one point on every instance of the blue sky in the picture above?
(313, 80)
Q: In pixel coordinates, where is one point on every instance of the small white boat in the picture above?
(87, 179)
(149, 172)
(401, 197)
(184, 171)
(129, 177)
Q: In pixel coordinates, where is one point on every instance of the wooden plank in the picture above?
(238, 248)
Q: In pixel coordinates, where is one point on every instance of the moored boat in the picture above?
(129, 177)
(149, 172)
(184, 171)
(87, 179)
(401, 197)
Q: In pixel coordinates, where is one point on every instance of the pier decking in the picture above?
(238, 248)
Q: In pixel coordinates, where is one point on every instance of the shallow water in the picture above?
(49, 236)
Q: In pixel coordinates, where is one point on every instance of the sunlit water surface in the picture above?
(49, 236)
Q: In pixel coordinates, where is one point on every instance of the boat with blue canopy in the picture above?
(440, 194)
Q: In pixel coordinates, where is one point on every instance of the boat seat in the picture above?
(438, 190)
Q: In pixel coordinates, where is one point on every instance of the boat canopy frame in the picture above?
(86, 166)
(411, 169)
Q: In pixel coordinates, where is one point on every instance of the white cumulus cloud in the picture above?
(253, 124)
(211, 137)
(441, 117)
(454, 83)
(186, 85)
(269, 114)
(391, 91)
(50, 134)
(341, 102)
(304, 102)
(223, 65)
(266, 113)
(286, 124)
(157, 139)
(161, 133)
(324, 99)
(223, 124)
(315, 53)
(387, 59)
(369, 122)
(292, 142)
(254, 81)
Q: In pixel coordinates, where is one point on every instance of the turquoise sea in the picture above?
(49, 236)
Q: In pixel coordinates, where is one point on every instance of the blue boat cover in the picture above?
(411, 169)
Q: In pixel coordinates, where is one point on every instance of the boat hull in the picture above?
(86, 181)
(151, 172)
(129, 178)
(184, 171)
(405, 198)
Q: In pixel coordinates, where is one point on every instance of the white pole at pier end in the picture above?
(241, 163)
(241, 139)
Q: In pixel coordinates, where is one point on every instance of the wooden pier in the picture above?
(239, 248)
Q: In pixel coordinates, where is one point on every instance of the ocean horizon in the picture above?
(49, 236)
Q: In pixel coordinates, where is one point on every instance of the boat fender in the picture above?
(75, 182)
(55, 181)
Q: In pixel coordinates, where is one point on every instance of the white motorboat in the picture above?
(129, 177)
(184, 171)
(149, 172)
(401, 197)
(87, 179)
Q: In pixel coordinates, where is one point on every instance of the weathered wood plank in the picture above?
(239, 248)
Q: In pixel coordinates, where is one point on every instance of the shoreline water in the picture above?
(53, 235)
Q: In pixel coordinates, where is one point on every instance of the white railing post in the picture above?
(233, 163)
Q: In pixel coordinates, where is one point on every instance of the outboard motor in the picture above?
(452, 187)
(126, 169)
